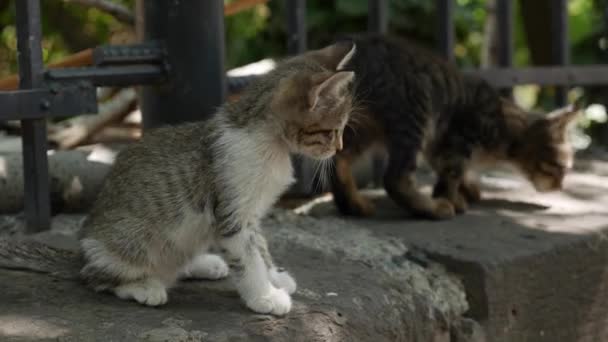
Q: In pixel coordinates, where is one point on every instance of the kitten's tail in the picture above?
(30, 255)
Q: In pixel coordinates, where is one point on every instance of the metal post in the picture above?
(35, 163)
(296, 26)
(560, 43)
(193, 34)
(377, 22)
(377, 16)
(505, 36)
(445, 28)
(296, 43)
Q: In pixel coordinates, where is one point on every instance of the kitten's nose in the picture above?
(339, 143)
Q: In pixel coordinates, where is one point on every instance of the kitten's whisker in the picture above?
(314, 183)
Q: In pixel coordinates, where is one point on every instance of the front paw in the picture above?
(149, 292)
(276, 302)
(283, 280)
(443, 209)
(359, 206)
(206, 266)
(460, 204)
(471, 191)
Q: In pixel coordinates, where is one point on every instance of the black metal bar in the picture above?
(545, 75)
(296, 43)
(58, 101)
(377, 16)
(193, 33)
(445, 28)
(150, 53)
(35, 164)
(560, 43)
(592, 74)
(377, 22)
(296, 26)
(504, 13)
(111, 76)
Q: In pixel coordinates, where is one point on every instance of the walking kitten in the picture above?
(414, 104)
(182, 189)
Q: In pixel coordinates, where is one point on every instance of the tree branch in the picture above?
(73, 132)
(118, 11)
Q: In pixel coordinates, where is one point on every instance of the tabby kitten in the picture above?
(184, 189)
(416, 105)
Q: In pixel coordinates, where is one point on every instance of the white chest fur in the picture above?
(254, 169)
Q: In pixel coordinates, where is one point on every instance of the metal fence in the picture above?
(183, 57)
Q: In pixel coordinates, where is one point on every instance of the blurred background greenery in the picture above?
(260, 33)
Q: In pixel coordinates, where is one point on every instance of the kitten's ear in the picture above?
(331, 87)
(336, 56)
(561, 118)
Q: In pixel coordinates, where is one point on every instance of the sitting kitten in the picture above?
(414, 104)
(186, 188)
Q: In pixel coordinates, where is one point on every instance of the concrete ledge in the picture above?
(519, 266)
(353, 286)
(534, 266)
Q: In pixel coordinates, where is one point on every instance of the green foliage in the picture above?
(66, 27)
(260, 33)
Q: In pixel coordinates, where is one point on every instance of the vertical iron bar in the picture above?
(35, 164)
(377, 22)
(377, 16)
(504, 13)
(193, 34)
(296, 26)
(560, 43)
(296, 43)
(445, 28)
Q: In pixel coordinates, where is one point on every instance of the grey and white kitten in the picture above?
(183, 189)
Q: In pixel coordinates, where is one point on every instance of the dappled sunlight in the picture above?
(579, 209)
(31, 328)
(74, 189)
(508, 201)
(561, 223)
(586, 179)
(3, 168)
(257, 68)
(102, 154)
(309, 205)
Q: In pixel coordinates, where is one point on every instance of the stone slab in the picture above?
(352, 286)
(535, 266)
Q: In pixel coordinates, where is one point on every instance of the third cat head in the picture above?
(315, 102)
(544, 153)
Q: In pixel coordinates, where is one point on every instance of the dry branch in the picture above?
(82, 58)
(73, 132)
(116, 134)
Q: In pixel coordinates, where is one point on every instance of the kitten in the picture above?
(184, 189)
(413, 105)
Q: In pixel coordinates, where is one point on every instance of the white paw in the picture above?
(150, 292)
(276, 302)
(283, 280)
(206, 266)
